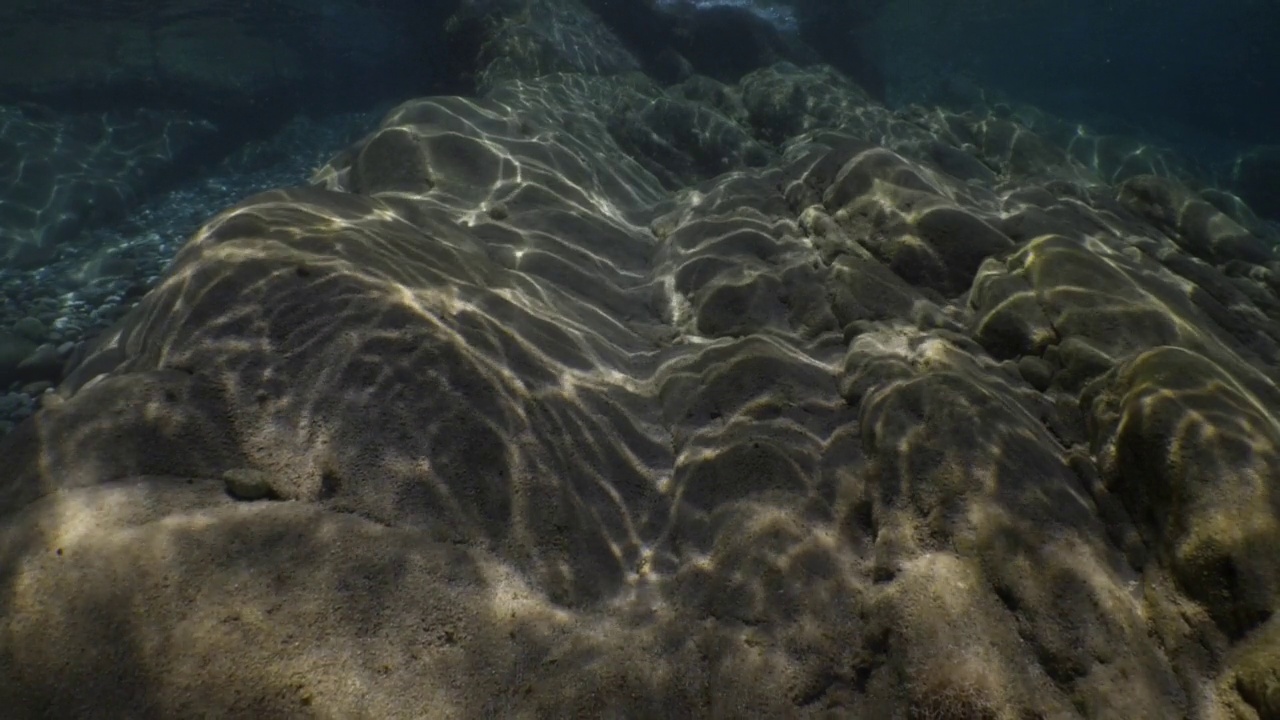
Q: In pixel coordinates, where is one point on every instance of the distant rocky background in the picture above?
(607, 359)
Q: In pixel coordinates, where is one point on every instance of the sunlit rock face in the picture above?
(593, 397)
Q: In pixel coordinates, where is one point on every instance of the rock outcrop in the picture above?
(822, 410)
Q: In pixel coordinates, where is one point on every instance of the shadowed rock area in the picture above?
(590, 397)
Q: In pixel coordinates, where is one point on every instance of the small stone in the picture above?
(1036, 371)
(31, 328)
(116, 267)
(11, 403)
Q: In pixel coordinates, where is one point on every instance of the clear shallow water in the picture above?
(1198, 78)
(93, 282)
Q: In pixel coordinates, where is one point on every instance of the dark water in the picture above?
(1200, 74)
(114, 109)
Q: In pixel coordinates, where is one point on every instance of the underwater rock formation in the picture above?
(592, 397)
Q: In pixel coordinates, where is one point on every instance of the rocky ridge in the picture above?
(590, 396)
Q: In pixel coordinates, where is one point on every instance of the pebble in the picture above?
(30, 328)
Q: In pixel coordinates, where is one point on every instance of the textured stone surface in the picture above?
(902, 414)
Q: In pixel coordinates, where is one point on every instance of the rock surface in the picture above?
(823, 411)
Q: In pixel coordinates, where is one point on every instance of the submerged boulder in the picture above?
(500, 416)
